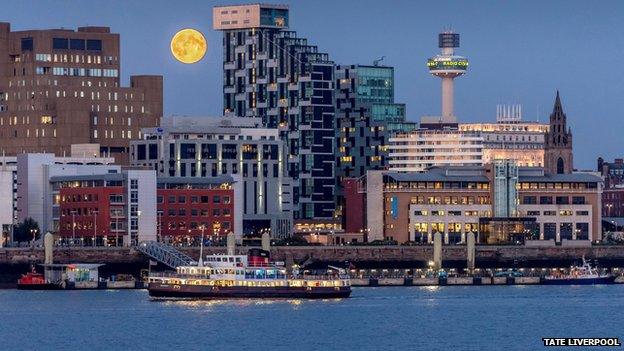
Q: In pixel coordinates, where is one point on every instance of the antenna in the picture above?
(378, 61)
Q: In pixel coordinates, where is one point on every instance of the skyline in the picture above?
(495, 38)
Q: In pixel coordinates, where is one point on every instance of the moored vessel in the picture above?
(246, 276)
(580, 275)
(36, 281)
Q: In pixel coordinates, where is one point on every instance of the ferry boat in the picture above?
(246, 276)
(580, 275)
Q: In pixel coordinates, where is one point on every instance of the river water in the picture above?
(383, 318)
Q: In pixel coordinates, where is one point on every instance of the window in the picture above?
(60, 43)
(562, 200)
(533, 213)
(94, 45)
(159, 199)
(550, 231)
(546, 200)
(216, 212)
(76, 44)
(226, 199)
(216, 199)
(47, 120)
(181, 199)
(27, 44)
(578, 200)
(529, 200)
(171, 199)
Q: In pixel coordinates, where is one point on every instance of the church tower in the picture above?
(558, 145)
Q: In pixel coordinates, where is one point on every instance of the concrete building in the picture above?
(272, 74)
(200, 147)
(424, 148)
(35, 194)
(510, 138)
(110, 208)
(60, 87)
(503, 203)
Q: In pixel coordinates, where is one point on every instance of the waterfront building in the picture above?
(272, 74)
(33, 173)
(190, 206)
(8, 194)
(200, 147)
(111, 208)
(510, 138)
(424, 148)
(501, 202)
(558, 157)
(613, 201)
(60, 87)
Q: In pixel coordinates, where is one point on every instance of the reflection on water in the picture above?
(211, 303)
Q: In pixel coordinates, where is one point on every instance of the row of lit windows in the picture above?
(450, 200)
(95, 59)
(110, 134)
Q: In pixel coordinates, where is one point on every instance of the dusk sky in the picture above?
(519, 52)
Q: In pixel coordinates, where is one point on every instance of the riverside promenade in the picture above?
(453, 256)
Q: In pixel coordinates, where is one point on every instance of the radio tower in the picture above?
(447, 66)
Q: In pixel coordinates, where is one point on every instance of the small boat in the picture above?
(580, 275)
(36, 281)
(246, 276)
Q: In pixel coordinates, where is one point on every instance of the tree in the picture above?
(26, 230)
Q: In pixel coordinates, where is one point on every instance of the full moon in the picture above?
(188, 46)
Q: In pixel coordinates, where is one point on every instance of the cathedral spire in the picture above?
(557, 109)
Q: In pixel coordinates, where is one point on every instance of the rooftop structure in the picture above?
(447, 66)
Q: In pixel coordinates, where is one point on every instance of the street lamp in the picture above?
(201, 248)
(95, 213)
(73, 213)
(34, 233)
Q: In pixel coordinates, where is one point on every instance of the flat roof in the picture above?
(196, 180)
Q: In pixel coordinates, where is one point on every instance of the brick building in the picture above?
(60, 87)
(188, 206)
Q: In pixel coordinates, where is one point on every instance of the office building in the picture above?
(200, 147)
(111, 208)
(272, 74)
(502, 203)
(189, 207)
(60, 87)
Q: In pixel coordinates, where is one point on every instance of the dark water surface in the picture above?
(391, 318)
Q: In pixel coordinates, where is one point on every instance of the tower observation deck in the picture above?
(447, 66)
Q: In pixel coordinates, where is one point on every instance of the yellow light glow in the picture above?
(188, 46)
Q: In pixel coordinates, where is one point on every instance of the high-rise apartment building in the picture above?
(366, 117)
(271, 73)
(60, 87)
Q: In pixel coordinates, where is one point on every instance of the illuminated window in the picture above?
(47, 120)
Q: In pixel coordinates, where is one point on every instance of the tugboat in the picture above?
(36, 281)
(246, 276)
(580, 275)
